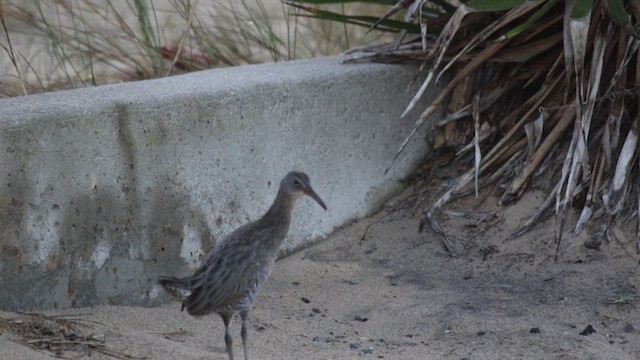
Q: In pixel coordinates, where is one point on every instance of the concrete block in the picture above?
(103, 189)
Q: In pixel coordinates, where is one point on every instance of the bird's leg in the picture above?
(244, 315)
(228, 341)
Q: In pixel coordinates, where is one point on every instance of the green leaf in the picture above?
(581, 9)
(617, 11)
(366, 21)
(493, 5)
(533, 19)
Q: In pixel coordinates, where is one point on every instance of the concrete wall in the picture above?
(103, 189)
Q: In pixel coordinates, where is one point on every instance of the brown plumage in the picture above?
(238, 266)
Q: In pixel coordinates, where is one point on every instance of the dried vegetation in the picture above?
(538, 92)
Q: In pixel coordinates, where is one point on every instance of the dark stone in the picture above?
(588, 330)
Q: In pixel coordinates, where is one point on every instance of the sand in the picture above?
(377, 289)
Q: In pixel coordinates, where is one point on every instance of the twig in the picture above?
(11, 52)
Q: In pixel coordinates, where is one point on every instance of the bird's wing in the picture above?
(229, 274)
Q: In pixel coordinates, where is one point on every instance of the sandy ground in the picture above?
(394, 295)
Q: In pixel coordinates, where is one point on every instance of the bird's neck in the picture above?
(278, 219)
(281, 209)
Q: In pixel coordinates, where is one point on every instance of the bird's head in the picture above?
(297, 183)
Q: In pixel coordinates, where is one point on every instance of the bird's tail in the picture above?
(178, 288)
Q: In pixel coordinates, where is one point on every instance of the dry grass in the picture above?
(62, 336)
(66, 44)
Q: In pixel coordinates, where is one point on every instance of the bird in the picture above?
(237, 267)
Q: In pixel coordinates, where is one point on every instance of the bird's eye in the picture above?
(296, 182)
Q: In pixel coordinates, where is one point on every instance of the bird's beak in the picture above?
(312, 194)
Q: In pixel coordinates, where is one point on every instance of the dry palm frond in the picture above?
(532, 82)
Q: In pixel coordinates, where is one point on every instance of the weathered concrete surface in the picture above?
(103, 189)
